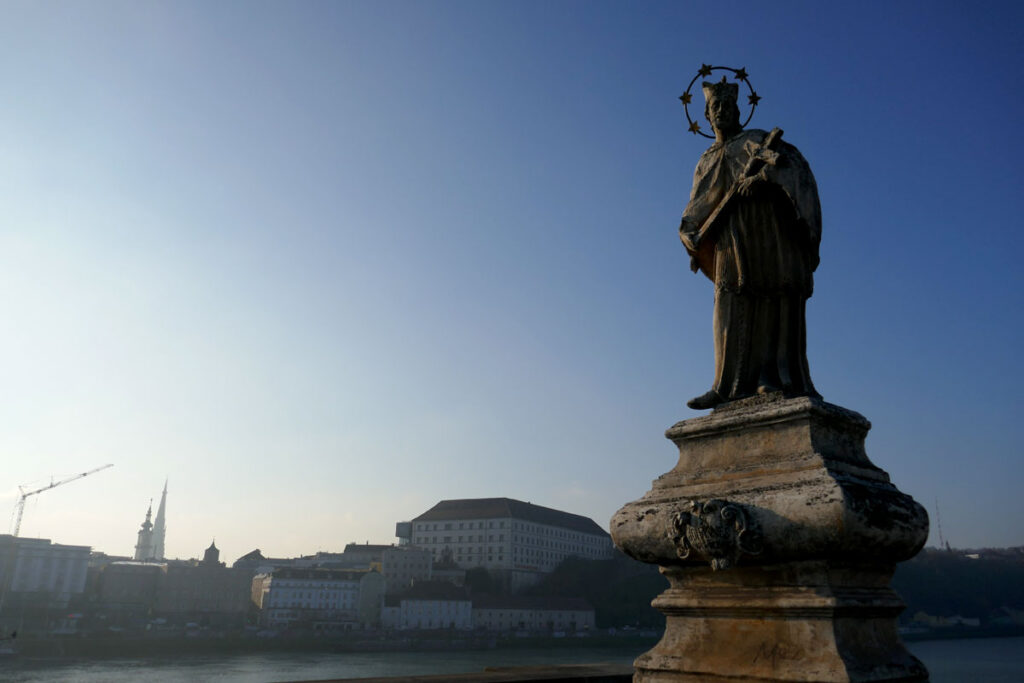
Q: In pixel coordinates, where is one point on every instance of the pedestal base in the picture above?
(804, 621)
(779, 538)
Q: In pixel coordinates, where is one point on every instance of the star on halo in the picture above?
(694, 128)
(686, 97)
(741, 74)
(705, 70)
(753, 98)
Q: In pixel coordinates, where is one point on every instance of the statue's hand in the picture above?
(749, 185)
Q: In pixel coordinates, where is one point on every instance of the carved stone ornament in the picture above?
(717, 530)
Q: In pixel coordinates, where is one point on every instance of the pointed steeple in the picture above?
(212, 555)
(160, 526)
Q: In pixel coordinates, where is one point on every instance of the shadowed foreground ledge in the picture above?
(575, 673)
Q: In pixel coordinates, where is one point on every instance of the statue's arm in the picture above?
(703, 199)
(698, 208)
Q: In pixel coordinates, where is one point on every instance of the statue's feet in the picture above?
(705, 401)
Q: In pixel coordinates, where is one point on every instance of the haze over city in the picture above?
(322, 265)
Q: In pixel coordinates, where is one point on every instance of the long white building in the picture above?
(517, 541)
(325, 598)
(429, 605)
(440, 605)
(532, 614)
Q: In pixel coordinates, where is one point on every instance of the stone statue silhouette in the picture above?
(753, 225)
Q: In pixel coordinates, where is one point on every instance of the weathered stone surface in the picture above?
(796, 468)
(805, 621)
(779, 538)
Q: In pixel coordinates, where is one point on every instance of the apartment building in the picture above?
(319, 599)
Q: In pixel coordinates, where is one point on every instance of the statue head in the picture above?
(720, 108)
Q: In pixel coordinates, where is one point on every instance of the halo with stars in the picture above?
(738, 74)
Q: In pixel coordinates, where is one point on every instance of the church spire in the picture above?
(160, 526)
(144, 546)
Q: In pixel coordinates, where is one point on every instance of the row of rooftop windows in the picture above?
(490, 524)
(448, 526)
(462, 539)
(566, 547)
(319, 585)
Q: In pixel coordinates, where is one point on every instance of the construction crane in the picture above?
(19, 507)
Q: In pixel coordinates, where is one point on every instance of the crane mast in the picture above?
(19, 507)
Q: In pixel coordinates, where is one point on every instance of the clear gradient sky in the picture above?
(323, 264)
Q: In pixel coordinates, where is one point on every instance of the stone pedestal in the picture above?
(779, 538)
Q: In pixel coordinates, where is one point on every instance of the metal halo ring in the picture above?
(738, 74)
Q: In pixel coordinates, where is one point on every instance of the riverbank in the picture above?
(134, 646)
(149, 646)
(961, 633)
(992, 660)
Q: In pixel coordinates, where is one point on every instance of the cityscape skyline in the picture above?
(322, 265)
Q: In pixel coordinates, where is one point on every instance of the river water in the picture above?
(983, 660)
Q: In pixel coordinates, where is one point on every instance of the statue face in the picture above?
(723, 114)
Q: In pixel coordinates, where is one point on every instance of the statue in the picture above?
(777, 534)
(752, 226)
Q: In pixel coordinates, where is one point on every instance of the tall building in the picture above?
(399, 565)
(204, 591)
(150, 545)
(211, 557)
(125, 592)
(402, 566)
(144, 545)
(160, 526)
(518, 542)
(38, 577)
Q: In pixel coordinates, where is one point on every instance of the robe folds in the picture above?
(761, 253)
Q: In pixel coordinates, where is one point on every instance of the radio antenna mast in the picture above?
(938, 523)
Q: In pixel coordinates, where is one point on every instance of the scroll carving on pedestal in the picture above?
(718, 531)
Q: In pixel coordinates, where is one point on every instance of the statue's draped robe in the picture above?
(761, 255)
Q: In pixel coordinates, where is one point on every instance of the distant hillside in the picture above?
(620, 589)
(968, 583)
(944, 583)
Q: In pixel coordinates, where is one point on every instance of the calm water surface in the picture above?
(985, 660)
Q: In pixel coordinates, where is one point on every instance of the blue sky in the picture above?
(324, 264)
